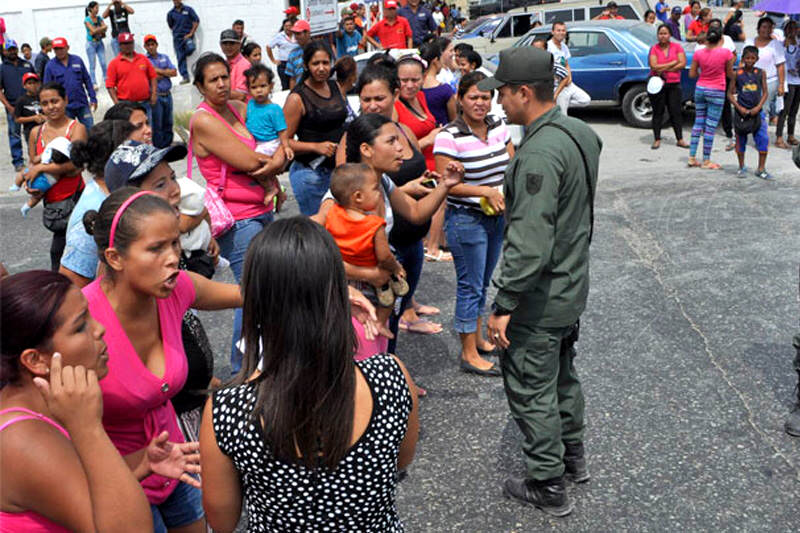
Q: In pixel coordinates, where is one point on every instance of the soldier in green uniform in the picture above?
(543, 279)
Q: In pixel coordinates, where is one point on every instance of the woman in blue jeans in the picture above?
(95, 32)
(226, 157)
(474, 221)
(316, 112)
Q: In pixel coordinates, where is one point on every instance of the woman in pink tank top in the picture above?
(65, 475)
(226, 157)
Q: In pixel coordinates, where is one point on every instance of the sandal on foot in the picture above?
(441, 255)
(781, 144)
(422, 326)
(656, 145)
(693, 162)
(421, 393)
(422, 309)
(730, 146)
(793, 141)
(682, 144)
(710, 165)
(492, 371)
(385, 295)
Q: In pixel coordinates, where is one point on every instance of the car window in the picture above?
(647, 33)
(564, 15)
(579, 14)
(504, 31)
(624, 11)
(490, 26)
(584, 43)
(521, 24)
(472, 25)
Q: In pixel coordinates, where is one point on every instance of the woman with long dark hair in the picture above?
(667, 60)
(308, 438)
(378, 88)
(59, 469)
(95, 33)
(60, 199)
(316, 111)
(713, 66)
(141, 301)
(279, 48)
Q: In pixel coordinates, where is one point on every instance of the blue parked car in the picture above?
(610, 62)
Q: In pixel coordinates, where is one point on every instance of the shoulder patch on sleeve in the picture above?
(533, 182)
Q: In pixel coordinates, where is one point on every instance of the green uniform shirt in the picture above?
(544, 274)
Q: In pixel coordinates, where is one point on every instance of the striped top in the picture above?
(484, 161)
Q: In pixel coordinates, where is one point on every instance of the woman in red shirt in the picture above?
(412, 110)
(60, 199)
(699, 26)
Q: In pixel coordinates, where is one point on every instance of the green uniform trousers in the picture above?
(544, 394)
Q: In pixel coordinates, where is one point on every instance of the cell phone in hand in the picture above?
(429, 183)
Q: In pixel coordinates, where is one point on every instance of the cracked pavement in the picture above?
(685, 355)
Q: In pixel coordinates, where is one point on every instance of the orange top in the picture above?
(355, 238)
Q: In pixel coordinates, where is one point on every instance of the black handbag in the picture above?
(744, 125)
(55, 216)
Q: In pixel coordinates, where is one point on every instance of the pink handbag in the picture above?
(221, 218)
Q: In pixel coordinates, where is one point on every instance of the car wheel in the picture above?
(636, 107)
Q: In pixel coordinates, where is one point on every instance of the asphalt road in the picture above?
(685, 355)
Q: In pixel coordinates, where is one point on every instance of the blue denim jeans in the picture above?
(15, 141)
(183, 507)
(83, 114)
(233, 247)
(412, 257)
(475, 241)
(309, 186)
(96, 49)
(115, 46)
(162, 121)
(183, 49)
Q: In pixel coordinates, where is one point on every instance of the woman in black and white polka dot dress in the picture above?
(311, 440)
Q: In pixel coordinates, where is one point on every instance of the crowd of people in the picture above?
(104, 354)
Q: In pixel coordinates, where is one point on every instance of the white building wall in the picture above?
(30, 20)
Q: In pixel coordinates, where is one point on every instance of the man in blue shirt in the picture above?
(420, 19)
(662, 10)
(41, 59)
(183, 22)
(162, 111)
(70, 71)
(674, 22)
(294, 64)
(347, 43)
(11, 72)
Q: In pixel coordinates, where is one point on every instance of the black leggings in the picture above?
(727, 114)
(57, 249)
(669, 98)
(791, 102)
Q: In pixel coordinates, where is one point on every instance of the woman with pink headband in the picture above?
(140, 301)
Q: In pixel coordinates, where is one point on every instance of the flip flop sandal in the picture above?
(693, 163)
(421, 393)
(709, 165)
(440, 256)
(413, 327)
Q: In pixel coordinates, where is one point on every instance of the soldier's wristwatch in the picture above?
(499, 311)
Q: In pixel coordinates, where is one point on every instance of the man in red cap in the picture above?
(392, 31)
(162, 110)
(294, 65)
(70, 71)
(131, 77)
(358, 16)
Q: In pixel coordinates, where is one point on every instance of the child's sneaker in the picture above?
(741, 173)
(14, 188)
(385, 295)
(399, 286)
(764, 175)
(24, 209)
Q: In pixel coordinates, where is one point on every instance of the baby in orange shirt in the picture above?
(361, 235)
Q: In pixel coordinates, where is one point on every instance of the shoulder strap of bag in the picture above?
(223, 179)
(587, 174)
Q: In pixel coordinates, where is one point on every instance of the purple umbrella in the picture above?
(789, 7)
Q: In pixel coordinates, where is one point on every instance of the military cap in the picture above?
(520, 66)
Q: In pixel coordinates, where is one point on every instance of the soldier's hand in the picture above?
(497, 330)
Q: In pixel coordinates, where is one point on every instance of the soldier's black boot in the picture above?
(575, 463)
(550, 495)
(792, 425)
